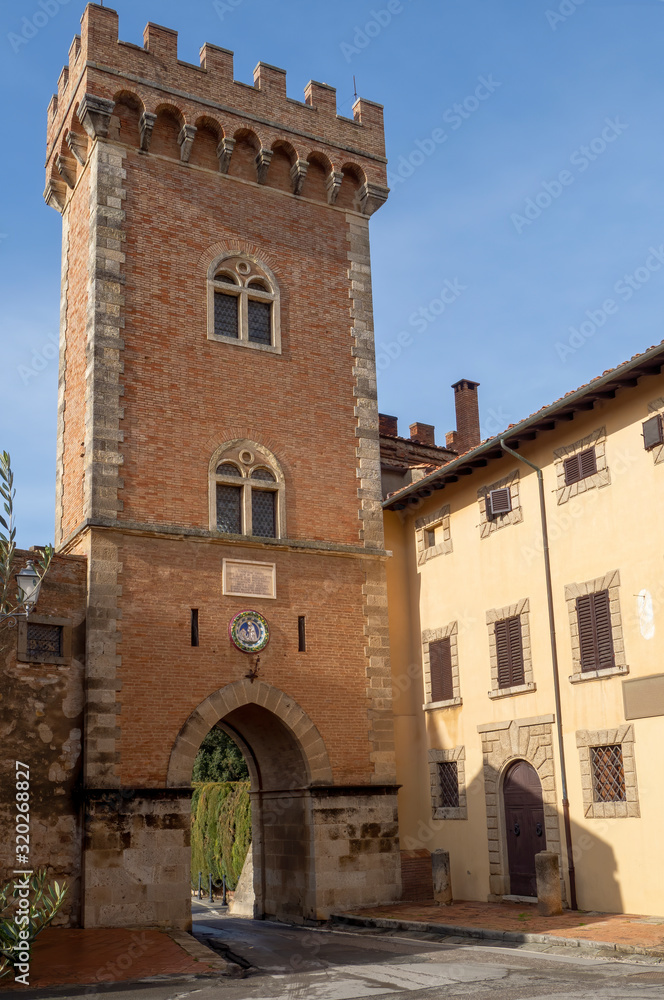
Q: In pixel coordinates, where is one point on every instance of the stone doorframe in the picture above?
(502, 744)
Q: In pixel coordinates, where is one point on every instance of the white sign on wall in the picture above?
(242, 578)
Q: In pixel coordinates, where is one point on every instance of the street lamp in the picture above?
(29, 583)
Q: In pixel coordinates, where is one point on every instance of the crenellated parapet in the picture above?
(131, 94)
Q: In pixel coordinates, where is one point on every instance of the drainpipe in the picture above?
(556, 673)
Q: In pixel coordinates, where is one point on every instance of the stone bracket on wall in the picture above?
(333, 186)
(224, 154)
(186, 141)
(372, 196)
(263, 161)
(76, 144)
(94, 114)
(146, 125)
(298, 173)
(55, 195)
(66, 167)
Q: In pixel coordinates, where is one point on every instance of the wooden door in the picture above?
(524, 820)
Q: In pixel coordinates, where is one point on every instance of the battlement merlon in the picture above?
(102, 66)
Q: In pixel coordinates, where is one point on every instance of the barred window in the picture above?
(248, 491)
(44, 641)
(608, 773)
(243, 303)
(448, 777)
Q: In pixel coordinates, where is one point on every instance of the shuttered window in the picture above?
(595, 638)
(500, 502)
(440, 668)
(652, 432)
(509, 651)
(580, 466)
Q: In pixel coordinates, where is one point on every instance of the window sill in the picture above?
(449, 703)
(450, 812)
(597, 675)
(517, 689)
(269, 348)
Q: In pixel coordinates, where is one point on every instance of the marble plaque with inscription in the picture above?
(249, 579)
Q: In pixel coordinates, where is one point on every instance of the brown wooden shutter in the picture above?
(440, 668)
(652, 432)
(587, 463)
(580, 466)
(595, 636)
(509, 651)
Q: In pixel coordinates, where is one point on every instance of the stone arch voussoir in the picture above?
(235, 695)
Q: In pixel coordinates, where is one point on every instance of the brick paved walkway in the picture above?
(63, 956)
(612, 929)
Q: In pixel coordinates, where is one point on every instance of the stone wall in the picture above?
(41, 723)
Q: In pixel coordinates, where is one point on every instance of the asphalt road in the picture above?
(285, 963)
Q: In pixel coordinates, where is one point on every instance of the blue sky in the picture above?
(535, 202)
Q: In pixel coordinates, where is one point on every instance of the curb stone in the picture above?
(486, 934)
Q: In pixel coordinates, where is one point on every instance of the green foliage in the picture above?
(220, 830)
(219, 759)
(45, 901)
(9, 604)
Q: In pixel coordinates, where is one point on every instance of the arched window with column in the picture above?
(247, 491)
(243, 304)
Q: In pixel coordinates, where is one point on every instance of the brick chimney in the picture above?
(388, 425)
(467, 434)
(424, 433)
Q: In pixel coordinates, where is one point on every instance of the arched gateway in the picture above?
(287, 760)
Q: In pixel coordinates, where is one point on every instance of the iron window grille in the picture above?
(44, 642)
(448, 781)
(580, 466)
(608, 774)
(653, 432)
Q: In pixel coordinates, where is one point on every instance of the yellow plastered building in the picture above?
(528, 678)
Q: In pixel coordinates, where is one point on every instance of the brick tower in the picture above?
(218, 452)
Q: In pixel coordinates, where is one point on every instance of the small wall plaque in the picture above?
(242, 578)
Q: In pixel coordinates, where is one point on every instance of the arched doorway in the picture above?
(286, 758)
(524, 826)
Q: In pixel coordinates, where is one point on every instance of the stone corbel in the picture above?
(55, 195)
(224, 153)
(67, 170)
(263, 160)
(75, 143)
(186, 141)
(333, 186)
(372, 196)
(146, 124)
(94, 114)
(297, 173)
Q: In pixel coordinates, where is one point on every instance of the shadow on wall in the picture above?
(516, 808)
